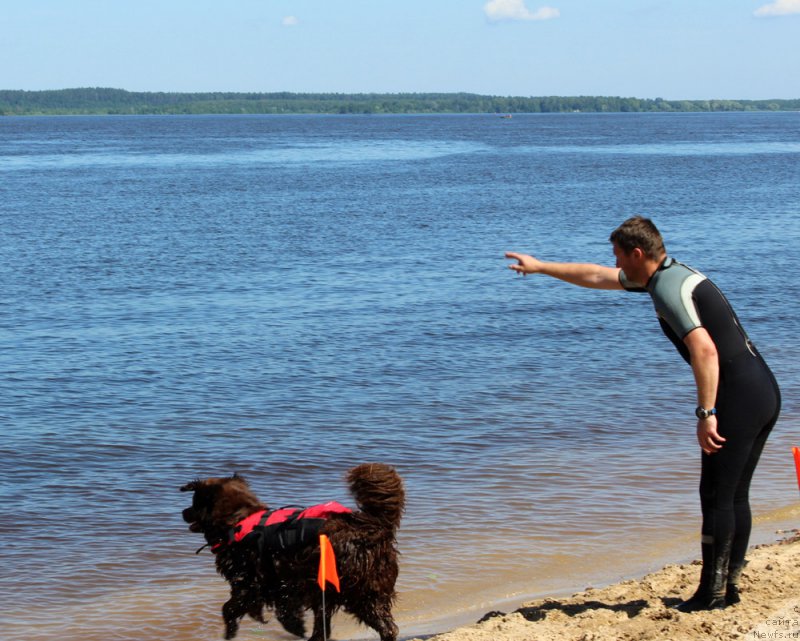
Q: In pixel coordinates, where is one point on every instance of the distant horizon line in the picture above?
(385, 93)
(105, 100)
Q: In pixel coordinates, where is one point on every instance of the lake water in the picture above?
(286, 297)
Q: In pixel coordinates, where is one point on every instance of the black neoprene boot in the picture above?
(710, 594)
(732, 589)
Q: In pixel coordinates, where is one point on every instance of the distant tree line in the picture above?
(119, 101)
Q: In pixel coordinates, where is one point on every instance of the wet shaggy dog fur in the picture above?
(285, 581)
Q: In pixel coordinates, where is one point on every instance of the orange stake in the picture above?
(326, 574)
(796, 451)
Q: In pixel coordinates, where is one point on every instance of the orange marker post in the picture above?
(796, 451)
(327, 574)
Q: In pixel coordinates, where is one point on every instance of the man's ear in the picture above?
(638, 254)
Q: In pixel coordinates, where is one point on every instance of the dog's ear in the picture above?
(190, 487)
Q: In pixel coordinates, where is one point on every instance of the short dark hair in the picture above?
(639, 232)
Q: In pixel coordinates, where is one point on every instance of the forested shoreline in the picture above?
(104, 101)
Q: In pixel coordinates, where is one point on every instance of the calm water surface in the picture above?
(289, 296)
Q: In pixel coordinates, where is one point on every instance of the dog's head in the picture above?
(218, 504)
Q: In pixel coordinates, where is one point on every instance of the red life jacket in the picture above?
(285, 528)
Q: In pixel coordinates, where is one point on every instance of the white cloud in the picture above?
(778, 8)
(290, 21)
(497, 10)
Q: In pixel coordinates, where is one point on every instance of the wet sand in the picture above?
(640, 610)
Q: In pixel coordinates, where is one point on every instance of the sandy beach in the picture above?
(640, 610)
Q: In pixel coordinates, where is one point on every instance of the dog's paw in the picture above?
(293, 623)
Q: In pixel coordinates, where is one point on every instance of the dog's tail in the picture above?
(378, 490)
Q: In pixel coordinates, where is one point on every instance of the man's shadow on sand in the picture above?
(539, 612)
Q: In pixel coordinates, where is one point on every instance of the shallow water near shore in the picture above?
(286, 297)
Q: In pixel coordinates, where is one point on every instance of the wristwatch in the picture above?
(702, 413)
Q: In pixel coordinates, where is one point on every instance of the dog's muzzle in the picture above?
(191, 518)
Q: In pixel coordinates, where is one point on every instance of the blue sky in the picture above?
(675, 49)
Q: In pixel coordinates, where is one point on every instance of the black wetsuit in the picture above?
(748, 398)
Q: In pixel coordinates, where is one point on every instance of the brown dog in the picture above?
(275, 566)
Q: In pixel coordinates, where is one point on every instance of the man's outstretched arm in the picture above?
(582, 274)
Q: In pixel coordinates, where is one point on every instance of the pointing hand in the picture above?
(525, 264)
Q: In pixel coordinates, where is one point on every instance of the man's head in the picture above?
(638, 247)
(639, 232)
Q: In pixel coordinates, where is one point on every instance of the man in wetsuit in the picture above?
(737, 395)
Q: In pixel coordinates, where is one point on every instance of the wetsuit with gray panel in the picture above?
(747, 403)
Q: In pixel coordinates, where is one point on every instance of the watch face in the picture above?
(701, 412)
